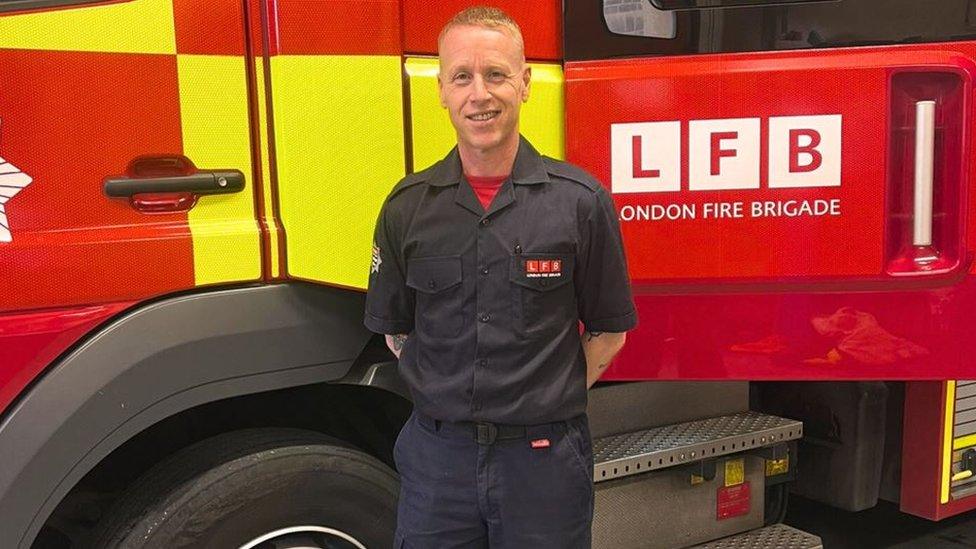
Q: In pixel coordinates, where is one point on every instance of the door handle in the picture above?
(201, 182)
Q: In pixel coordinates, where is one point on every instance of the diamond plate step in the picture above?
(662, 447)
(777, 536)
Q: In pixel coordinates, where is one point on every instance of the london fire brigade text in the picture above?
(731, 210)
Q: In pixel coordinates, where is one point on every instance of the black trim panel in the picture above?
(807, 25)
(159, 360)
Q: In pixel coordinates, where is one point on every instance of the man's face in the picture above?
(483, 82)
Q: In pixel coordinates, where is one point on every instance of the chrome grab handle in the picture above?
(924, 161)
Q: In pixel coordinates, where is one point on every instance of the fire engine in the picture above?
(187, 195)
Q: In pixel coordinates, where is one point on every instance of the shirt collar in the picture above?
(527, 170)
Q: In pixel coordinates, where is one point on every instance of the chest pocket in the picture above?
(437, 281)
(542, 291)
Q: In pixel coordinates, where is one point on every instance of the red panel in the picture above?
(771, 335)
(922, 449)
(922, 454)
(955, 507)
(30, 341)
(213, 27)
(336, 27)
(540, 20)
(254, 23)
(69, 120)
(699, 247)
(756, 297)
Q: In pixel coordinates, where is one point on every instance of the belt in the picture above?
(483, 432)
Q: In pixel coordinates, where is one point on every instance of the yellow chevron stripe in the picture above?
(213, 111)
(138, 26)
(339, 150)
(541, 119)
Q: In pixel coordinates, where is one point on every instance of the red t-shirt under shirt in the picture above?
(486, 187)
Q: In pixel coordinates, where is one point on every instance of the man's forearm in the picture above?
(599, 348)
(395, 343)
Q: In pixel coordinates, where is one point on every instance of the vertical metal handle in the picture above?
(924, 161)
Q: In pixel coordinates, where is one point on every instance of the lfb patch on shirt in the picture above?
(374, 266)
(543, 268)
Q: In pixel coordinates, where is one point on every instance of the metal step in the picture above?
(662, 447)
(777, 536)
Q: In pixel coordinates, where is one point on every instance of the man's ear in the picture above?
(440, 90)
(526, 82)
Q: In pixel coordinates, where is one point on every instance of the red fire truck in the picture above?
(188, 190)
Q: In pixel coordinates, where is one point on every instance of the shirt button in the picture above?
(484, 270)
(542, 282)
(485, 222)
(431, 284)
(483, 362)
(485, 317)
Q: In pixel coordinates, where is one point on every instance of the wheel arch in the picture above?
(158, 360)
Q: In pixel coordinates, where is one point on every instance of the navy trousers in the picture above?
(533, 492)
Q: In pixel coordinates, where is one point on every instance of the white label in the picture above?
(804, 151)
(723, 154)
(645, 157)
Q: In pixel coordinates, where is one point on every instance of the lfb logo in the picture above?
(12, 181)
(803, 151)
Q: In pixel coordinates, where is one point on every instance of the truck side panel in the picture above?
(154, 362)
(735, 280)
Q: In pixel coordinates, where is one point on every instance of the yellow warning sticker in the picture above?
(777, 466)
(735, 472)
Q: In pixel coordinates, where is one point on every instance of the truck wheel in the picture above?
(257, 489)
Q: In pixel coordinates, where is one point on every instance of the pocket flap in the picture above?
(434, 274)
(541, 271)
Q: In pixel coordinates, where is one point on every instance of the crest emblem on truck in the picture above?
(12, 181)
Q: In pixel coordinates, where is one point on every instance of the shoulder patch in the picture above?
(571, 172)
(411, 180)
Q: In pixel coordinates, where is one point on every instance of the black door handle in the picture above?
(202, 182)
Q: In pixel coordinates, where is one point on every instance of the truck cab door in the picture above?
(333, 75)
(128, 124)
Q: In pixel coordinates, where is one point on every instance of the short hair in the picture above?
(487, 17)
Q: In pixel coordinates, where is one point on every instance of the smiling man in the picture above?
(483, 267)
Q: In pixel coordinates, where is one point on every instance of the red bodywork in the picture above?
(69, 119)
(796, 298)
(809, 297)
(31, 341)
(539, 20)
(805, 298)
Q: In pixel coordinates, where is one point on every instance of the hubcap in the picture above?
(304, 537)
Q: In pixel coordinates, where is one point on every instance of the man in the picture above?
(483, 266)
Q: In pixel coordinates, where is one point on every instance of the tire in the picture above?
(229, 490)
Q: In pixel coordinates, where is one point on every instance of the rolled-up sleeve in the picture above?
(604, 296)
(389, 302)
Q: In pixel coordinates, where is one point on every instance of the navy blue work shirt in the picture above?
(491, 300)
